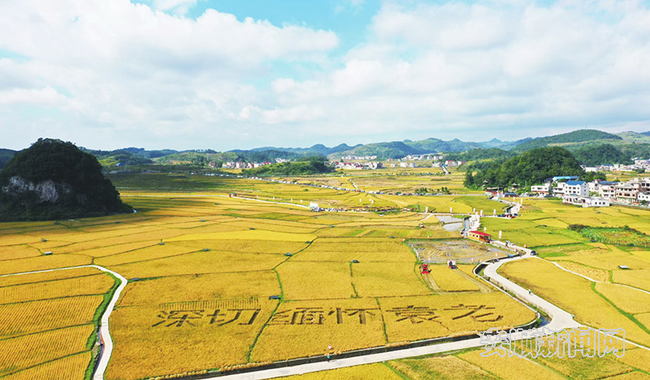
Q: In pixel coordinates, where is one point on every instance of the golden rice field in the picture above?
(27, 351)
(593, 273)
(575, 295)
(469, 364)
(69, 367)
(216, 282)
(46, 322)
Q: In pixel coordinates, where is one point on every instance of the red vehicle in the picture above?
(425, 269)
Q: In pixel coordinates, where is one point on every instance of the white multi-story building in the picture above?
(643, 197)
(607, 191)
(579, 188)
(627, 191)
(558, 190)
(542, 190)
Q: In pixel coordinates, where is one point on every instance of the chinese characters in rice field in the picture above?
(408, 314)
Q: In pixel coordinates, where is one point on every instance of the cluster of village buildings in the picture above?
(637, 165)
(403, 164)
(248, 165)
(348, 158)
(371, 165)
(597, 193)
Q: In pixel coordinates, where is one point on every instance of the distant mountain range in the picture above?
(630, 144)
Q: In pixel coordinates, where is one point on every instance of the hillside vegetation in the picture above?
(601, 154)
(566, 138)
(5, 156)
(53, 179)
(528, 168)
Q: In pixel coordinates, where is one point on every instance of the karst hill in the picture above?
(53, 179)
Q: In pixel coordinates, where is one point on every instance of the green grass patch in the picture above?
(624, 236)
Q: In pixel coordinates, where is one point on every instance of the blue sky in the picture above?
(226, 74)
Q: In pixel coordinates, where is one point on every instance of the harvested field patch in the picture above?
(361, 372)
(445, 367)
(593, 273)
(449, 280)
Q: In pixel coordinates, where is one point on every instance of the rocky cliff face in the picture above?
(46, 191)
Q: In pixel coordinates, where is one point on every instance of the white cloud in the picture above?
(144, 73)
(47, 97)
(446, 69)
(122, 74)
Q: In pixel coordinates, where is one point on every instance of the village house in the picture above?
(641, 197)
(479, 236)
(585, 201)
(607, 190)
(627, 192)
(542, 189)
(558, 189)
(579, 188)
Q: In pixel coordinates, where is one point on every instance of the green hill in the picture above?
(601, 154)
(309, 165)
(526, 169)
(580, 136)
(53, 179)
(5, 156)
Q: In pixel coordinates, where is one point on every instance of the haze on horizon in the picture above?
(239, 74)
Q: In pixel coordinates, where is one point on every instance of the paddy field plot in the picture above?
(443, 279)
(367, 371)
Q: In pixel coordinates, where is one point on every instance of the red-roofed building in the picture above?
(479, 236)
